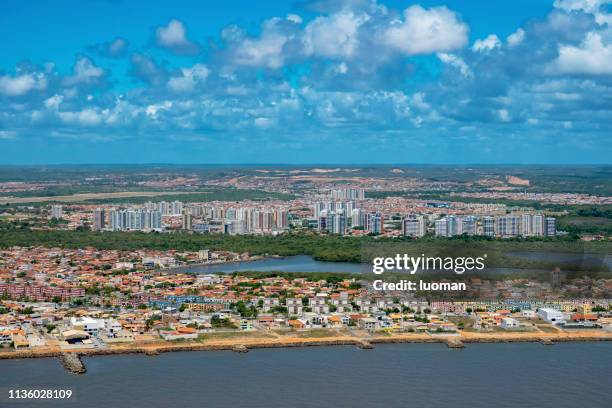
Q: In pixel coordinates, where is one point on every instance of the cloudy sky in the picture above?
(322, 81)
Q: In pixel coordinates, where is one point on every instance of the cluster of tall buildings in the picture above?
(347, 194)
(256, 220)
(134, 220)
(511, 225)
(525, 225)
(165, 208)
(193, 217)
(339, 217)
(452, 225)
(335, 218)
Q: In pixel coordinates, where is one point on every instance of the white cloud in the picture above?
(335, 35)
(117, 47)
(592, 57)
(294, 18)
(54, 102)
(7, 134)
(533, 121)
(456, 62)
(594, 7)
(189, 78)
(341, 68)
(85, 117)
(263, 123)
(425, 31)
(266, 51)
(174, 37)
(22, 84)
(516, 37)
(503, 115)
(487, 44)
(84, 72)
(153, 110)
(588, 6)
(146, 69)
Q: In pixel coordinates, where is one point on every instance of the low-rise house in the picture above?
(20, 342)
(335, 321)
(297, 323)
(87, 324)
(294, 306)
(509, 323)
(586, 317)
(179, 334)
(529, 314)
(368, 323)
(246, 324)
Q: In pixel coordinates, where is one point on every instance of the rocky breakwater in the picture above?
(454, 343)
(72, 362)
(240, 348)
(365, 345)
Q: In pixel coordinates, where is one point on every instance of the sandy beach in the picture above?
(254, 342)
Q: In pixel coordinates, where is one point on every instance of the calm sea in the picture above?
(410, 375)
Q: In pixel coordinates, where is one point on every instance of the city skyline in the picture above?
(295, 82)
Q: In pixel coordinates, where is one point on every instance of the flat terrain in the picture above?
(73, 198)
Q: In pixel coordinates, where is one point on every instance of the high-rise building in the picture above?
(281, 218)
(176, 208)
(186, 224)
(526, 225)
(318, 208)
(538, 225)
(452, 226)
(441, 227)
(56, 211)
(357, 218)
(375, 223)
(336, 223)
(507, 225)
(233, 227)
(164, 208)
(551, 226)
(413, 226)
(488, 226)
(156, 220)
(322, 221)
(467, 225)
(231, 214)
(99, 219)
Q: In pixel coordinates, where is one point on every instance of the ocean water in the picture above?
(397, 375)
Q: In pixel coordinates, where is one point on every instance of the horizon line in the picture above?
(297, 164)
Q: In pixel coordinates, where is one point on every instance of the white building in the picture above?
(87, 324)
(551, 315)
(56, 211)
(441, 228)
(414, 226)
(509, 323)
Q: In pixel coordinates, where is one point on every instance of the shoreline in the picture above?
(152, 349)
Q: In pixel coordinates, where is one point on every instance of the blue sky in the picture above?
(323, 81)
